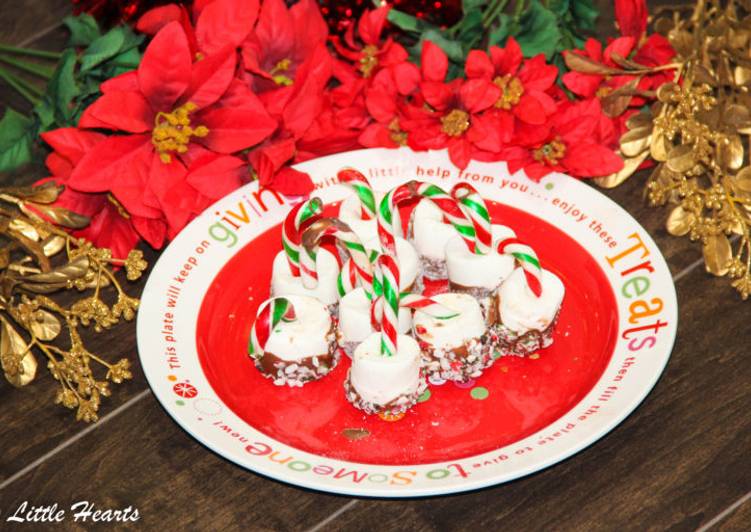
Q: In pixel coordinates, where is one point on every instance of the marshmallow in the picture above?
(283, 283)
(380, 379)
(453, 332)
(471, 270)
(430, 233)
(306, 336)
(354, 317)
(521, 311)
(406, 258)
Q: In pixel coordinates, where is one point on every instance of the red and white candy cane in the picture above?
(311, 241)
(527, 260)
(388, 212)
(415, 302)
(270, 313)
(474, 207)
(389, 276)
(361, 186)
(348, 278)
(295, 223)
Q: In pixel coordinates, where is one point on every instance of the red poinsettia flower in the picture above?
(631, 17)
(174, 119)
(282, 41)
(210, 26)
(453, 119)
(110, 227)
(386, 102)
(368, 52)
(523, 86)
(577, 141)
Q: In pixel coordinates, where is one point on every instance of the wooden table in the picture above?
(680, 461)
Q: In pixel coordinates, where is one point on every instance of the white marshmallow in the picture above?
(305, 336)
(430, 233)
(354, 317)
(521, 311)
(452, 332)
(380, 379)
(283, 283)
(483, 271)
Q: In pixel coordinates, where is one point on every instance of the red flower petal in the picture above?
(506, 60)
(164, 72)
(460, 151)
(371, 24)
(488, 130)
(72, 143)
(231, 130)
(109, 229)
(478, 65)
(309, 26)
(438, 94)
(621, 46)
(270, 157)
(590, 160)
(307, 99)
(479, 94)
(407, 77)
(155, 19)
(275, 30)
(124, 111)
(291, 182)
(225, 23)
(176, 198)
(217, 177)
(123, 83)
(631, 17)
(434, 62)
(153, 231)
(376, 136)
(537, 75)
(530, 110)
(211, 78)
(116, 159)
(584, 85)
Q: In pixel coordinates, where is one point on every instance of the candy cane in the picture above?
(389, 273)
(474, 207)
(270, 313)
(298, 218)
(527, 260)
(388, 217)
(415, 302)
(359, 183)
(311, 241)
(348, 279)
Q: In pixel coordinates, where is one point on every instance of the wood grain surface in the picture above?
(679, 462)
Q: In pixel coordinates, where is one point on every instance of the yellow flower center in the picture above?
(511, 91)
(172, 131)
(551, 152)
(368, 61)
(603, 91)
(120, 209)
(277, 73)
(455, 123)
(397, 135)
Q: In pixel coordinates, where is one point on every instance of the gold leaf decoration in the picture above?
(681, 158)
(630, 166)
(717, 254)
(39, 258)
(680, 221)
(635, 141)
(19, 364)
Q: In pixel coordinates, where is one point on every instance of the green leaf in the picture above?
(16, 139)
(469, 5)
(539, 31)
(58, 106)
(498, 35)
(83, 29)
(130, 39)
(406, 22)
(452, 48)
(585, 14)
(559, 7)
(470, 30)
(103, 48)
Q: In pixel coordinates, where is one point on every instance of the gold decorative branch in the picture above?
(698, 132)
(38, 258)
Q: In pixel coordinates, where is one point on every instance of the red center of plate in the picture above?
(513, 398)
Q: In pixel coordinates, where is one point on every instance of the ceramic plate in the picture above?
(613, 339)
